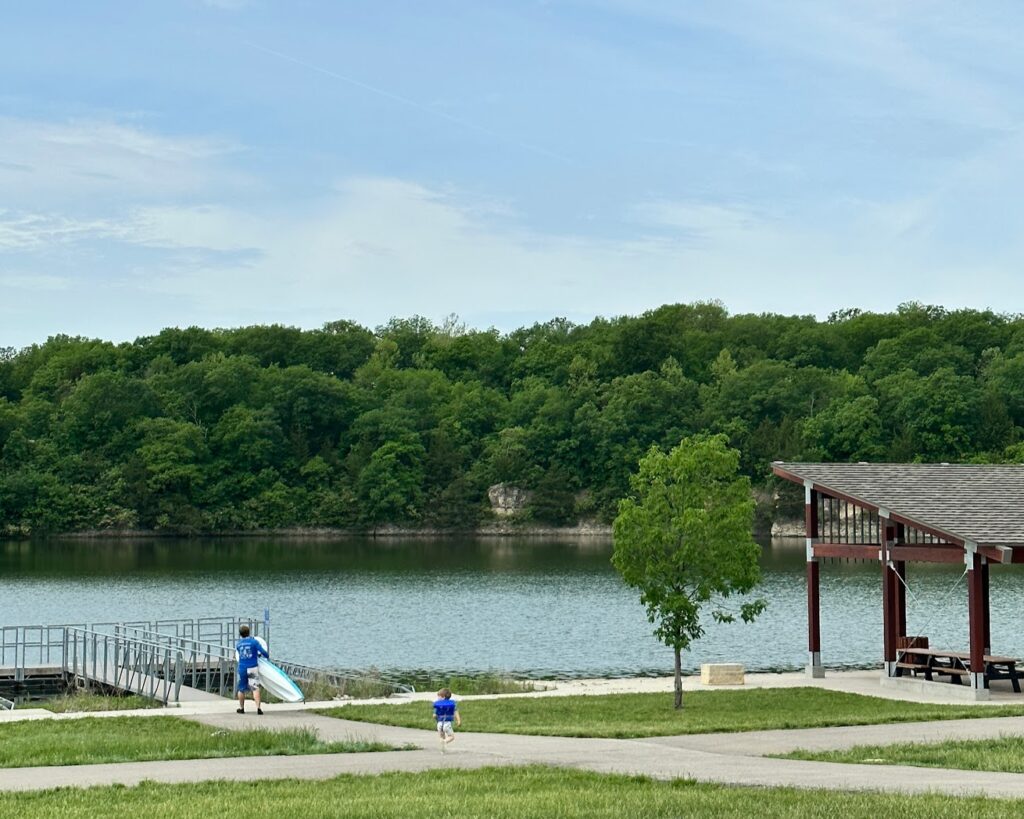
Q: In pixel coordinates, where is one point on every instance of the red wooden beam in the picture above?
(927, 554)
(854, 551)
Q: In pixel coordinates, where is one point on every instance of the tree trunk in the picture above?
(679, 677)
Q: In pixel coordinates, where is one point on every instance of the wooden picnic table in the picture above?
(955, 665)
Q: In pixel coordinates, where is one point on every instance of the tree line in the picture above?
(195, 430)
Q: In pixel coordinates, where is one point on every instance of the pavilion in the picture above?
(899, 513)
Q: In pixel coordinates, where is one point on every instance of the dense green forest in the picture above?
(270, 426)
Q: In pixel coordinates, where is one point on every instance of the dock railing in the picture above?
(157, 658)
(138, 666)
(152, 658)
(207, 666)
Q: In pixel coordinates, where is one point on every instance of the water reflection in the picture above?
(525, 605)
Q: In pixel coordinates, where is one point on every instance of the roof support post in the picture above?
(900, 566)
(890, 581)
(976, 615)
(985, 608)
(814, 666)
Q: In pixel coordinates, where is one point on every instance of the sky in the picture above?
(234, 162)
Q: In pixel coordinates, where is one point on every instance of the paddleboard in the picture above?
(274, 680)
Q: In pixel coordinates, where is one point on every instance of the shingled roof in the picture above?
(983, 503)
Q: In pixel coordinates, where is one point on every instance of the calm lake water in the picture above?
(531, 606)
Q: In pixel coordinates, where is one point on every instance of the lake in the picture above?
(528, 606)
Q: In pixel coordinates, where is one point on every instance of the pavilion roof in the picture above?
(983, 503)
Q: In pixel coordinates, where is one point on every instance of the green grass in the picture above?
(133, 739)
(515, 793)
(1004, 754)
(371, 686)
(84, 701)
(645, 715)
(477, 684)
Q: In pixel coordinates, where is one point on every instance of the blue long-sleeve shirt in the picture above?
(249, 652)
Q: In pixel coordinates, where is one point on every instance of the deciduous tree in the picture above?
(683, 539)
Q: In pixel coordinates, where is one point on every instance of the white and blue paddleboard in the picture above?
(274, 680)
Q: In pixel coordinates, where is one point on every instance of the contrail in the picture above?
(426, 109)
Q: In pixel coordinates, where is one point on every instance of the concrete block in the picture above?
(937, 690)
(721, 674)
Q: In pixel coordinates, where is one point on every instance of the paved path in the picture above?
(725, 758)
(736, 759)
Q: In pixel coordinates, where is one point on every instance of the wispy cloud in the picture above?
(433, 111)
(904, 47)
(25, 231)
(42, 160)
(701, 221)
(34, 281)
(227, 5)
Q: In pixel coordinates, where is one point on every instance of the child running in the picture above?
(446, 711)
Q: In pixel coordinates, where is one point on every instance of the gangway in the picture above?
(137, 664)
(202, 656)
(175, 660)
(159, 659)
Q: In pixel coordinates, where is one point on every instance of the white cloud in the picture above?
(941, 58)
(26, 231)
(34, 281)
(383, 247)
(79, 161)
(701, 220)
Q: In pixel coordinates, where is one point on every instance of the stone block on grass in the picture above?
(721, 674)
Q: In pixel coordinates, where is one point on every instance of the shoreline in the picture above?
(584, 530)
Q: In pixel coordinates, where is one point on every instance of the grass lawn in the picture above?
(82, 701)
(370, 686)
(645, 715)
(132, 739)
(1005, 754)
(519, 793)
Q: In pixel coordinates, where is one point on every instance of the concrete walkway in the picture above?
(732, 759)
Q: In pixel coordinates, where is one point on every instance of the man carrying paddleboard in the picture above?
(249, 650)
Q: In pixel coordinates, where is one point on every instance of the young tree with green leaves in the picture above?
(684, 539)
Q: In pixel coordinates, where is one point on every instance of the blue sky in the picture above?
(244, 161)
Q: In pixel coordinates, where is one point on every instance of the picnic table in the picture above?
(955, 665)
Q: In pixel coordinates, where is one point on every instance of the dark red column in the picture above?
(814, 666)
(901, 597)
(985, 609)
(889, 613)
(976, 618)
(901, 584)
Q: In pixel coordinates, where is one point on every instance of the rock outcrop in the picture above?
(506, 500)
